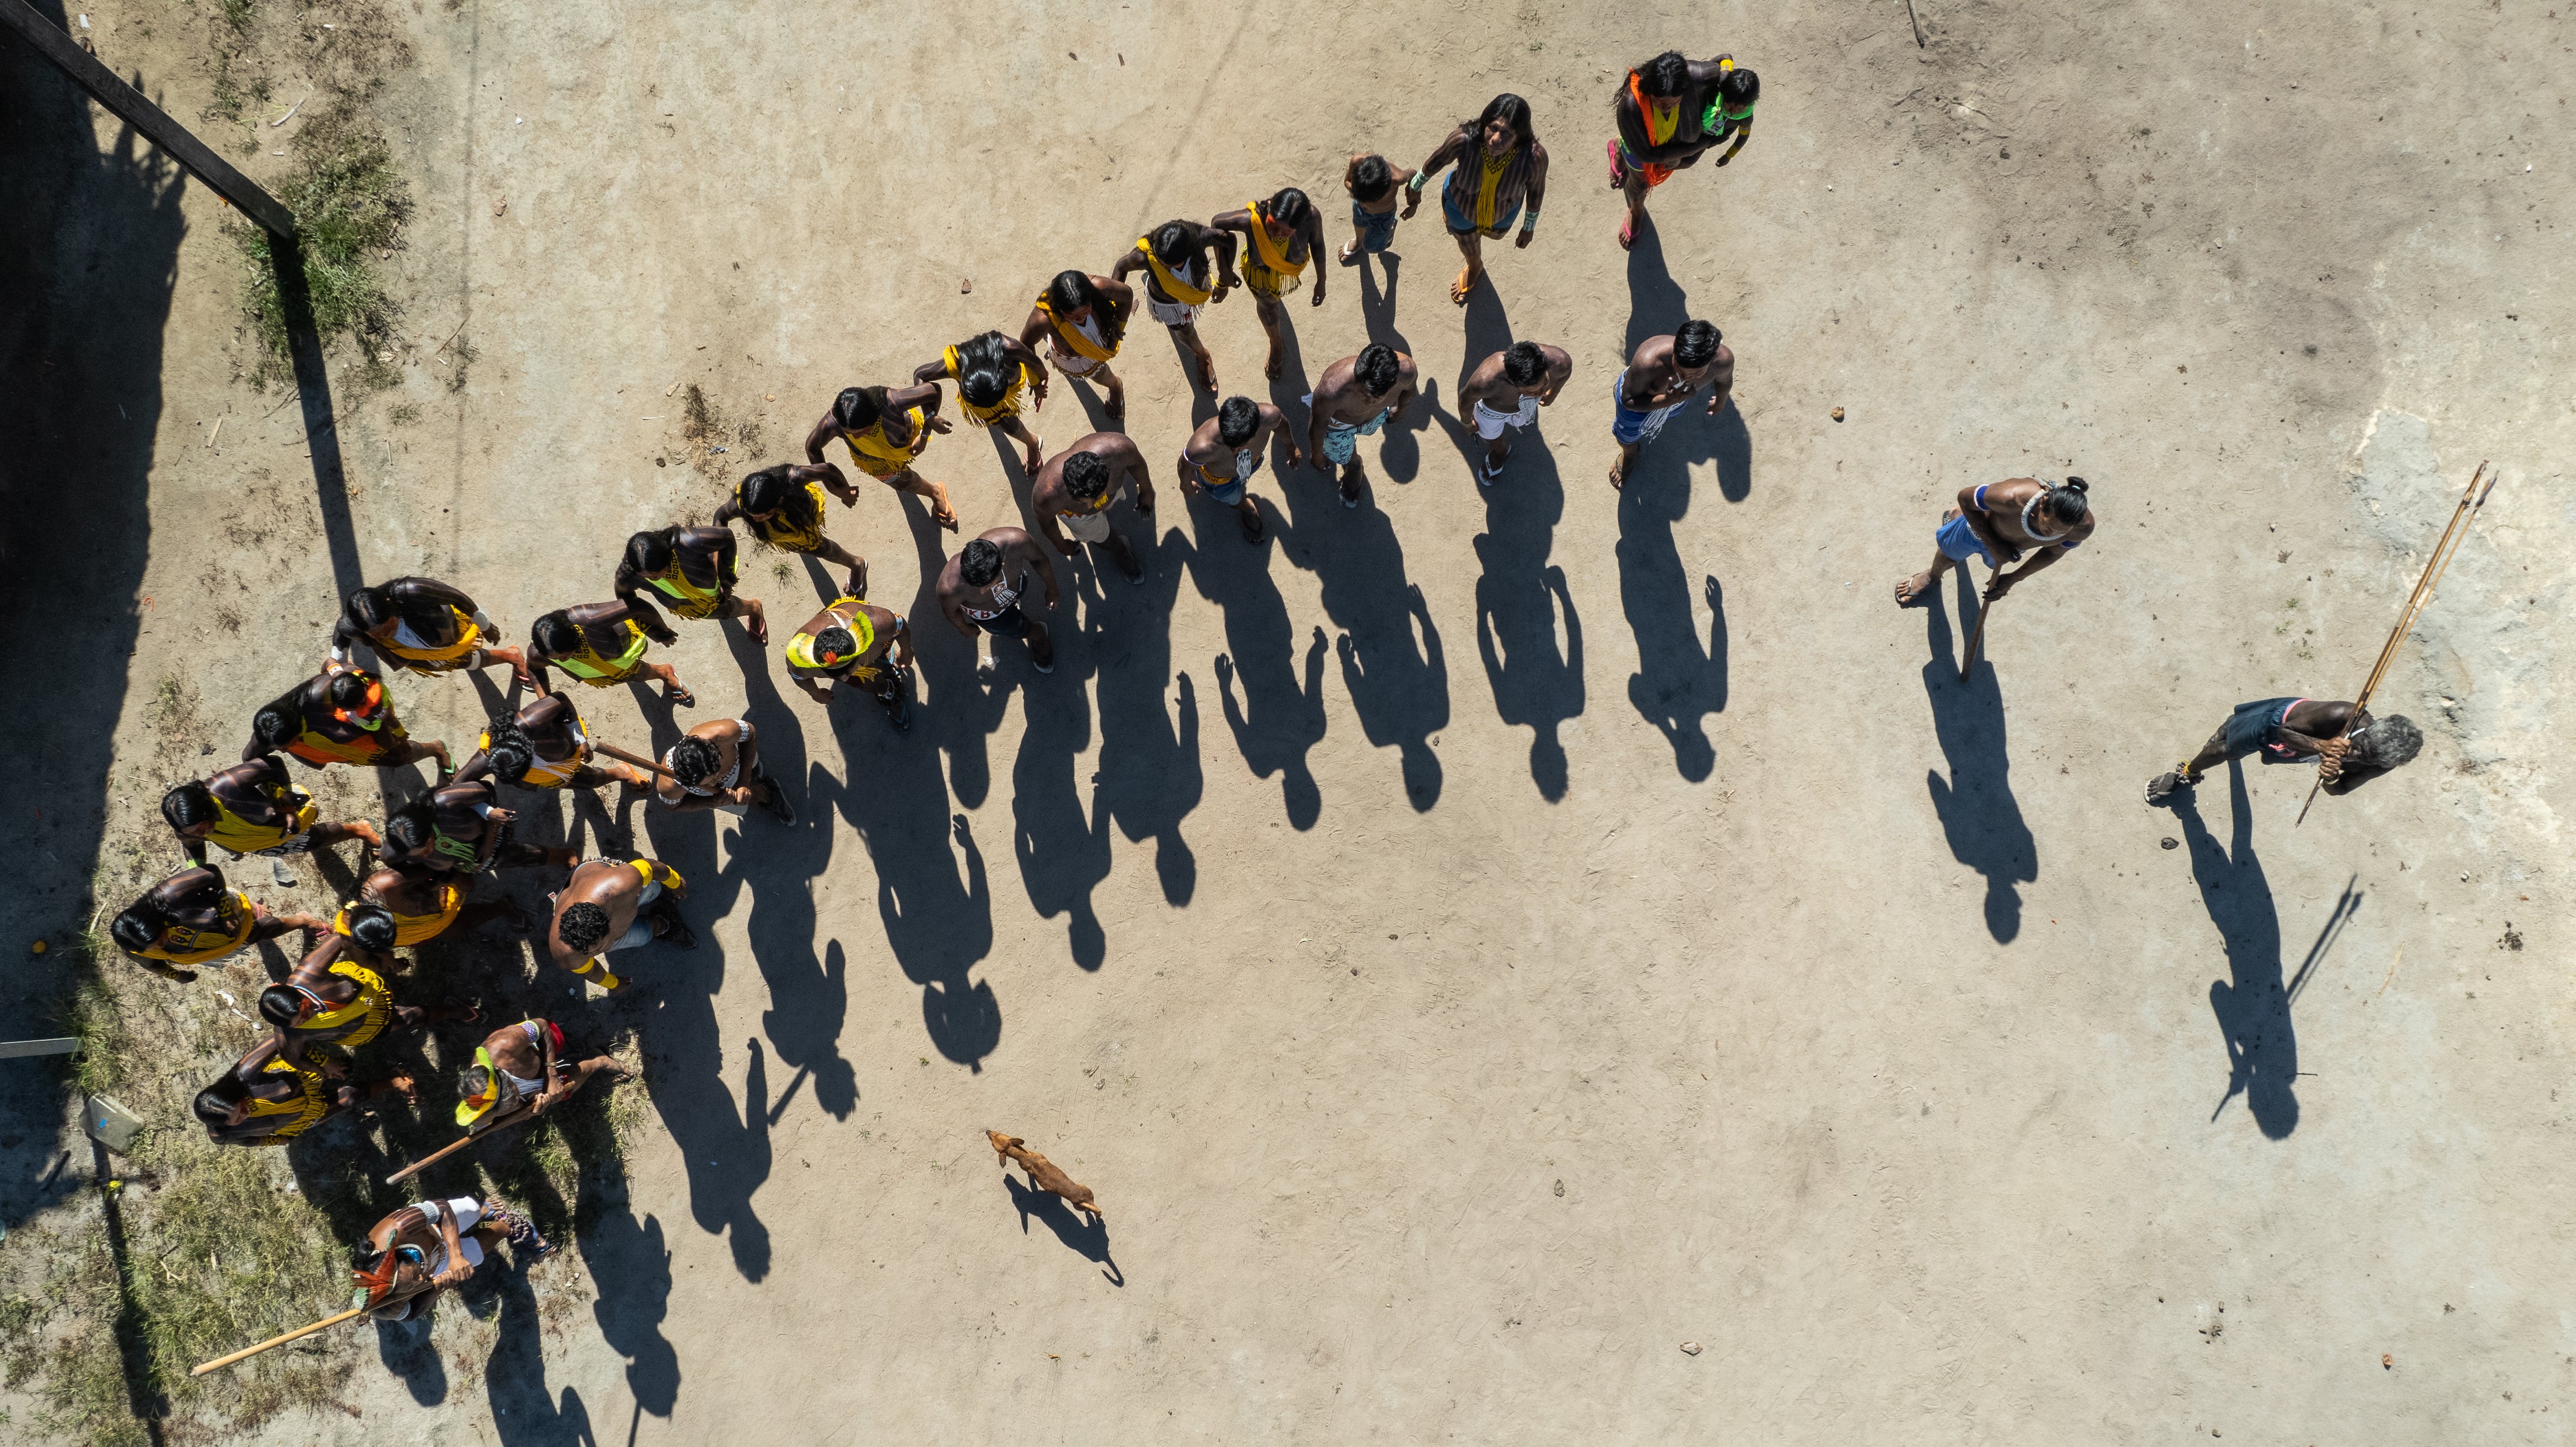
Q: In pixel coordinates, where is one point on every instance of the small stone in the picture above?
(1560, 1188)
(39, 947)
(1838, 414)
(501, 205)
(2171, 842)
(965, 284)
(1690, 1348)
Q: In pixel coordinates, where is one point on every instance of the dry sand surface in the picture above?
(1483, 945)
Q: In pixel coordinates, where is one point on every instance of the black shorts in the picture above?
(1009, 623)
(2255, 727)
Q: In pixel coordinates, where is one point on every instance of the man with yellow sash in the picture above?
(269, 1097)
(338, 994)
(691, 570)
(783, 507)
(461, 829)
(1671, 112)
(885, 431)
(253, 808)
(1502, 173)
(1072, 494)
(858, 643)
(193, 918)
(1180, 278)
(426, 904)
(1355, 398)
(1082, 318)
(603, 644)
(525, 1067)
(991, 372)
(611, 905)
(342, 715)
(545, 746)
(423, 625)
(1282, 235)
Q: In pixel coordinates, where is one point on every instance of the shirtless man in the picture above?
(192, 918)
(338, 995)
(1072, 494)
(426, 904)
(603, 644)
(426, 1247)
(342, 715)
(1503, 395)
(858, 642)
(1083, 318)
(611, 904)
(1664, 374)
(717, 766)
(1221, 456)
(1354, 398)
(1180, 278)
(1374, 186)
(268, 1097)
(422, 625)
(991, 372)
(1502, 173)
(1281, 235)
(1669, 113)
(1999, 521)
(524, 1066)
(2295, 730)
(783, 507)
(885, 431)
(692, 571)
(253, 808)
(545, 746)
(459, 829)
(982, 587)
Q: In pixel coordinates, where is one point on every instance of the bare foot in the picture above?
(1116, 406)
(407, 1087)
(759, 626)
(1207, 372)
(940, 512)
(1272, 367)
(1036, 460)
(1913, 590)
(1618, 476)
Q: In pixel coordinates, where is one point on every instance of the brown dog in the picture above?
(1043, 1173)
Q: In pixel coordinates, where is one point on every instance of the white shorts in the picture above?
(1172, 313)
(469, 1214)
(1490, 423)
(1087, 527)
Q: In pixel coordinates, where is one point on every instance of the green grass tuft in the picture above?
(350, 203)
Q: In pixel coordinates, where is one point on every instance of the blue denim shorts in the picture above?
(1377, 229)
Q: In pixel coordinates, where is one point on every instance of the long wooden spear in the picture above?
(521, 1116)
(246, 1353)
(2454, 533)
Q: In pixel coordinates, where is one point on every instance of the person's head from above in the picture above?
(859, 408)
(1370, 179)
(1376, 369)
(554, 634)
(1505, 125)
(1666, 78)
(1237, 420)
(275, 725)
(763, 493)
(510, 753)
(372, 609)
(481, 1088)
(226, 1102)
(694, 760)
(979, 563)
(1086, 475)
(357, 698)
(1071, 296)
(138, 928)
(983, 369)
(2383, 744)
(835, 647)
(1737, 93)
(1285, 211)
(190, 809)
(2065, 504)
(370, 926)
(582, 926)
(650, 553)
(1525, 366)
(413, 827)
(1174, 243)
(1695, 348)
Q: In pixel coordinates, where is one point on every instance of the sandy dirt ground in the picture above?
(1478, 944)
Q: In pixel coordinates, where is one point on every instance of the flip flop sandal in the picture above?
(1254, 530)
(1349, 255)
(1618, 173)
(1465, 283)
(679, 697)
(1628, 232)
(1487, 474)
(473, 1012)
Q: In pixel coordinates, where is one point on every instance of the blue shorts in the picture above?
(1342, 439)
(1629, 427)
(1460, 224)
(2256, 727)
(1959, 542)
(1377, 228)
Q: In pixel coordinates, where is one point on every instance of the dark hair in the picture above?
(188, 805)
(769, 490)
(858, 407)
(1376, 368)
(1370, 178)
(1086, 474)
(582, 925)
(979, 562)
(1237, 420)
(1508, 108)
(1174, 242)
(1695, 345)
(2385, 743)
(1667, 74)
(838, 642)
(276, 723)
(1289, 207)
(370, 607)
(215, 1103)
(2066, 501)
(693, 758)
(278, 1004)
(138, 928)
(1524, 364)
(650, 552)
(413, 825)
(371, 926)
(1072, 290)
(554, 633)
(984, 369)
(348, 689)
(511, 754)
(1741, 87)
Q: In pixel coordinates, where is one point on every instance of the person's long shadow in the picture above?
(1149, 777)
(958, 705)
(1279, 718)
(1678, 682)
(1978, 813)
(1063, 845)
(1086, 1234)
(514, 1376)
(2253, 1006)
(1521, 602)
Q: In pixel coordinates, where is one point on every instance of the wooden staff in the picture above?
(1976, 636)
(246, 1353)
(520, 1116)
(2447, 547)
(638, 760)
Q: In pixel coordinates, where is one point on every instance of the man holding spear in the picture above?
(519, 1072)
(2350, 747)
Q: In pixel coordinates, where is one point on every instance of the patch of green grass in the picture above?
(237, 14)
(350, 203)
(405, 414)
(92, 1017)
(464, 353)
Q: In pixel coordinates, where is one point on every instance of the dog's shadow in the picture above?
(1084, 1233)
